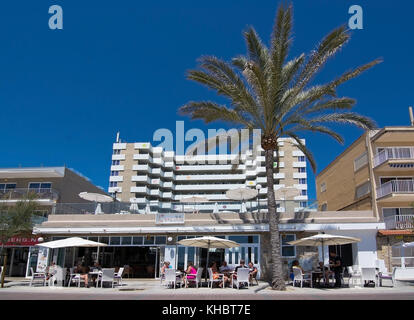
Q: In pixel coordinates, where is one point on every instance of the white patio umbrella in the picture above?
(208, 242)
(147, 209)
(408, 245)
(285, 193)
(133, 207)
(323, 239)
(242, 194)
(98, 209)
(216, 208)
(72, 242)
(97, 198)
(194, 200)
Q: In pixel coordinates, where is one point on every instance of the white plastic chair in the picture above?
(369, 274)
(107, 275)
(75, 277)
(118, 276)
(354, 274)
(242, 276)
(299, 276)
(37, 276)
(197, 278)
(170, 277)
(211, 279)
(59, 275)
(382, 272)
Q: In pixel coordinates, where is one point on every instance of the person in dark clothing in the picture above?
(335, 263)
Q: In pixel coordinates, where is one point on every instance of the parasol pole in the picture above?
(208, 251)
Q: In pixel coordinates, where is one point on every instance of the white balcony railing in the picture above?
(399, 222)
(395, 186)
(393, 153)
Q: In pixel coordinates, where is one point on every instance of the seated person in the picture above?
(295, 264)
(324, 273)
(252, 271)
(191, 272)
(217, 275)
(166, 265)
(224, 268)
(83, 271)
(96, 267)
(51, 270)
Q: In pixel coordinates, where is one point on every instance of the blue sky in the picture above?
(121, 66)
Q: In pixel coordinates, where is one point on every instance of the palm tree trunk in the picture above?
(3, 251)
(278, 282)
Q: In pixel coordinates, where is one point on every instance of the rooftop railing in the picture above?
(154, 207)
(395, 186)
(24, 193)
(393, 153)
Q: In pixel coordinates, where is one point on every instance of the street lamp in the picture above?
(258, 187)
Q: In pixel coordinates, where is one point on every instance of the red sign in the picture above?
(22, 242)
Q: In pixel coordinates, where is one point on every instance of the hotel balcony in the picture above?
(396, 191)
(399, 222)
(43, 195)
(395, 158)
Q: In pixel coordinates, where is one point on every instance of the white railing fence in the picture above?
(393, 153)
(395, 186)
(399, 222)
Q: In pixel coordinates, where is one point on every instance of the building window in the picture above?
(288, 251)
(361, 161)
(301, 169)
(39, 185)
(115, 162)
(363, 189)
(323, 186)
(4, 187)
(114, 173)
(113, 184)
(302, 181)
(117, 151)
(303, 192)
(324, 207)
(303, 204)
(301, 158)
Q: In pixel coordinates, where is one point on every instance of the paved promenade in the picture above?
(150, 289)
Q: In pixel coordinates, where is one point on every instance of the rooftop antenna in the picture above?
(410, 110)
(117, 137)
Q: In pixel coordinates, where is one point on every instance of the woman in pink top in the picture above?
(191, 272)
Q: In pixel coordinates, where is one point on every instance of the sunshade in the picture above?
(323, 239)
(241, 194)
(194, 199)
(96, 197)
(98, 209)
(71, 242)
(408, 245)
(286, 192)
(208, 242)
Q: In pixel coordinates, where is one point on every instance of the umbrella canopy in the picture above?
(208, 242)
(133, 207)
(286, 192)
(194, 199)
(408, 245)
(241, 194)
(96, 197)
(98, 209)
(323, 239)
(71, 242)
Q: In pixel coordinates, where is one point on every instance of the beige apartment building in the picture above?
(376, 173)
(54, 189)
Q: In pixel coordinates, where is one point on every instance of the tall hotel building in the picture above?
(157, 180)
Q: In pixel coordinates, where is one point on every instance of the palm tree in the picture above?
(267, 91)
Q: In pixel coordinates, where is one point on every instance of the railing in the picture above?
(399, 222)
(23, 193)
(183, 207)
(393, 153)
(395, 186)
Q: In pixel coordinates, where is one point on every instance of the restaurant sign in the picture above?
(170, 218)
(22, 242)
